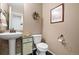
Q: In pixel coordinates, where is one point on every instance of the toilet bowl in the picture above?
(41, 47)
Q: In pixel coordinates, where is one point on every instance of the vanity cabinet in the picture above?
(4, 47)
(27, 45)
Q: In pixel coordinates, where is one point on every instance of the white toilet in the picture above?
(41, 47)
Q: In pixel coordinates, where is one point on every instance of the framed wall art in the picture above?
(57, 14)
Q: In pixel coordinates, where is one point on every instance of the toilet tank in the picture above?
(37, 38)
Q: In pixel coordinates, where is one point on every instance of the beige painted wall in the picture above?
(30, 25)
(69, 28)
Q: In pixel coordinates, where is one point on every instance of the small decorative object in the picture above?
(57, 14)
(36, 16)
(12, 30)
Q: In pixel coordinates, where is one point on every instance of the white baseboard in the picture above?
(51, 52)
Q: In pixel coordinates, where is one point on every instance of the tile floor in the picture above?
(34, 53)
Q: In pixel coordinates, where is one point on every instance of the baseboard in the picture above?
(51, 52)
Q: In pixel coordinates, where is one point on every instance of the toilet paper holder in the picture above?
(61, 39)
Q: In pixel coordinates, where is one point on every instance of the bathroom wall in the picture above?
(69, 28)
(30, 25)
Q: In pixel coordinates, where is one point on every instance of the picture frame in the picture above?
(57, 14)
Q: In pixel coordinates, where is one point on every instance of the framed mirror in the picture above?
(16, 12)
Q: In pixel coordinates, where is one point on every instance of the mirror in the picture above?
(16, 16)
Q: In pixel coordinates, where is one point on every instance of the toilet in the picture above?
(41, 47)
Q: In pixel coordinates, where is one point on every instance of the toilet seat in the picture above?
(42, 46)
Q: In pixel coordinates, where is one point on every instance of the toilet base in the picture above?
(40, 52)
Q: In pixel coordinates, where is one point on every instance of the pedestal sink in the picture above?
(12, 40)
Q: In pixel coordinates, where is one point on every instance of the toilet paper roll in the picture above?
(60, 40)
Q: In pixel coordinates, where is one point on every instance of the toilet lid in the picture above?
(42, 45)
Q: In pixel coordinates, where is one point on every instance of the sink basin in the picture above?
(12, 40)
(8, 36)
